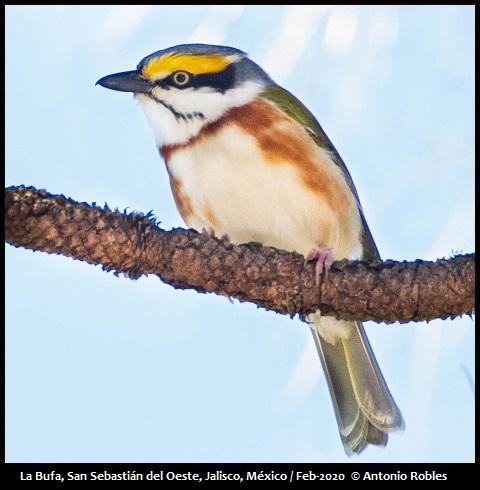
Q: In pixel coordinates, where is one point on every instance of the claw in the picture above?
(225, 239)
(211, 234)
(324, 257)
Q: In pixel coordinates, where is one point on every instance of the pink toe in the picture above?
(324, 257)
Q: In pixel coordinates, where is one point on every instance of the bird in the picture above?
(248, 161)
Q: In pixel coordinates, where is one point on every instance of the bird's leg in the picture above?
(324, 257)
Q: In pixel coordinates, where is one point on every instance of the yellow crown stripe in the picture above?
(193, 63)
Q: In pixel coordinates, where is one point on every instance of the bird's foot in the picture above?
(210, 232)
(225, 239)
(324, 257)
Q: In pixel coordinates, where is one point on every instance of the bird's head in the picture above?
(185, 87)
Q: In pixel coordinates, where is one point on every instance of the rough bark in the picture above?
(277, 280)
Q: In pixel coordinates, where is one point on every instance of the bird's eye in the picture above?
(181, 78)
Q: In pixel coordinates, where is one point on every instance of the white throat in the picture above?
(177, 115)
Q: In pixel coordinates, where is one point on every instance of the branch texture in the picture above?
(274, 279)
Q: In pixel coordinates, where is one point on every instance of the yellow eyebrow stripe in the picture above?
(193, 63)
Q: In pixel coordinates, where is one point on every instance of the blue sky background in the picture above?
(101, 368)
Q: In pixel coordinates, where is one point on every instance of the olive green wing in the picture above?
(296, 110)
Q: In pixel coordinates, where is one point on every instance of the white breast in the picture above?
(234, 191)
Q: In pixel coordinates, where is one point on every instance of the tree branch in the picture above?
(274, 279)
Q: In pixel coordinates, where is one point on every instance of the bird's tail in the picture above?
(364, 408)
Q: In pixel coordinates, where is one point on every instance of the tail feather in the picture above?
(364, 408)
(370, 388)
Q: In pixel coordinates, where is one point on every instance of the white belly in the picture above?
(233, 190)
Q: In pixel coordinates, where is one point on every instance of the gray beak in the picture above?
(127, 81)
